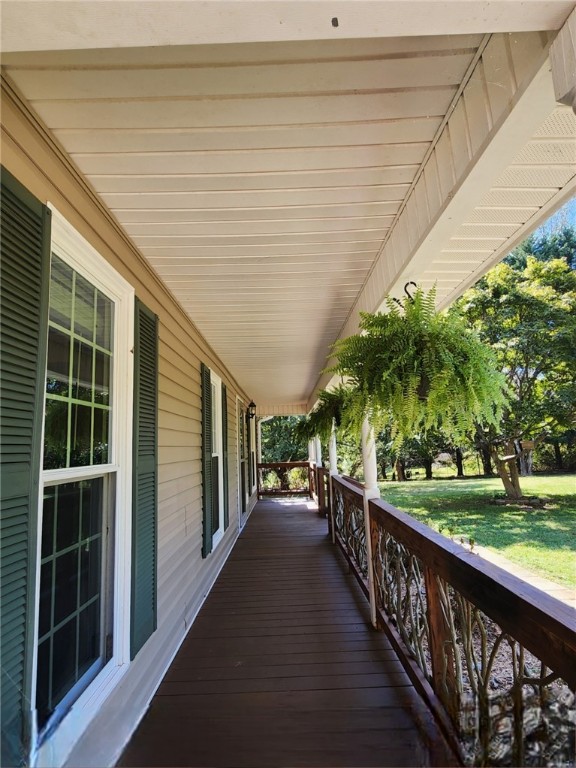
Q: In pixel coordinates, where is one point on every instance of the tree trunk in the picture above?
(524, 460)
(486, 460)
(459, 462)
(508, 472)
(558, 457)
(428, 468)
(399, 469)
(383, 470)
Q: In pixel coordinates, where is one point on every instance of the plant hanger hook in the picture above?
(407, 292)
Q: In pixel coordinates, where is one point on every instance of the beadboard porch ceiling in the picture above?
(262, 180)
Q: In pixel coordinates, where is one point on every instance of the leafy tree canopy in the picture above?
(280, 441)
(528, 316)
(560, 244)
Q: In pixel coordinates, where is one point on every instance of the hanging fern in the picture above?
(414, 369)
(340, 406)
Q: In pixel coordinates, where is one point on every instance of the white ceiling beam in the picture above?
(45, 25)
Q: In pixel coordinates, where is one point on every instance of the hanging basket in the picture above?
(418, 369)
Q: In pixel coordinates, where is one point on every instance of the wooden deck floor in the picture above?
(281, 667)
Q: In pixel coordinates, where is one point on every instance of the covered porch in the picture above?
(241, 180)
(282, 666)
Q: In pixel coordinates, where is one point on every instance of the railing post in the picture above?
(371, 491)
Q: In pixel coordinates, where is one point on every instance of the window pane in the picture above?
(45, 618)
(48, 522)
(102, 378)
(60, 292)
(82, 376)
(104, 313)
(89, 639)
(43, 681)
(68, 515)
(58, 366)
(63, 661)
(66, 586)
(91, 509)
(84, 309)
(80, 436)
(56, 434)
(101, 426)
(89, 570)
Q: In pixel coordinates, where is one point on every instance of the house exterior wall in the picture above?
(184, 577)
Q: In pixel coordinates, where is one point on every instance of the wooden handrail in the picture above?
(282, 464)
(541, 623)
(454, 619)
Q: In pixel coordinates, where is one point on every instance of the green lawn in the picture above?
(543, 541)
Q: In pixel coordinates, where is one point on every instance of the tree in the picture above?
(280, 441)
(528, 316)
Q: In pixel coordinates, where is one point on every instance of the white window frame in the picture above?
(217, 450)
(69, 245)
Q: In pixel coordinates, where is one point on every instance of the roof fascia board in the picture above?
(49, 25)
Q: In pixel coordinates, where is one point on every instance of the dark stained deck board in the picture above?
(281, 667)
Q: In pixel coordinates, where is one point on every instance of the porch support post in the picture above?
(563, 61)
(311, 466)
(318, 451)
(333, 452)
(333, 460)
(371, 491)
(369, 459)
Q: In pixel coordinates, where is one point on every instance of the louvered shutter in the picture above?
(145, 478)
(250, 467)
(206, 461)
(225, 454)
(25, 264)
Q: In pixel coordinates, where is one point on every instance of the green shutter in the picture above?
(225, 454)
(206, 461)
(145, 478)
(25, 264)
(250, 466)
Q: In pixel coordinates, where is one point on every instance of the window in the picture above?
(214, 460)
(85, 478)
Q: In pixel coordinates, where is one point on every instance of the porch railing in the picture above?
(494, 657)
(284, 478)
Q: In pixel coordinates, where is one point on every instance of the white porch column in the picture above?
(371, 491)
(311, 451)
(333, 459)
(563, 61)
(333, 452)
(318, 451)
(369, 460)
